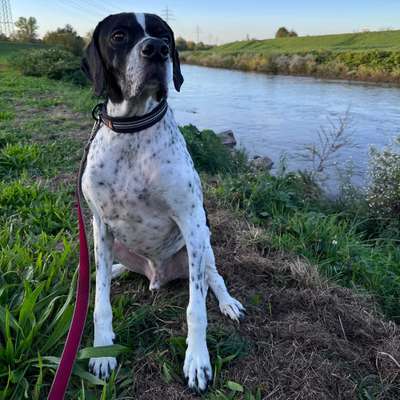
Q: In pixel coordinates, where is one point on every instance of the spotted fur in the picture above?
(146, 196)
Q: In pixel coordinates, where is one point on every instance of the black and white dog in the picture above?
(142, 188)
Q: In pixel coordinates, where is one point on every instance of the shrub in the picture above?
(67, 38)
(209, 154)
(51, 63)
(384, 185)
(282, 32)
(377, 66)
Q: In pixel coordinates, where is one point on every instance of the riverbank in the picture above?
(317, 281)
(370, 56)
(368, 66)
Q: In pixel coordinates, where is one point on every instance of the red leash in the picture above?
(71, 347)
(61, 378)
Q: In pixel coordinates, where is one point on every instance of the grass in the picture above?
(42, 132)
(347, 242)
(385, 40)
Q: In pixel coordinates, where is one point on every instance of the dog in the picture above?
(142, 188)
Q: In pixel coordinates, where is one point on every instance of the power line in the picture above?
(77, 5)
(70, 7)
(198, 31)
(167, 14)
(99, 5)
(6, 21)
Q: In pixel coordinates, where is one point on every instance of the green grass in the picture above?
(385, 40)
(346, 241)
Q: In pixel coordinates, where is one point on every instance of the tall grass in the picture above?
(369, 65)
(350, 245)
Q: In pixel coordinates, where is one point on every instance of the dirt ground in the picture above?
(307, 339)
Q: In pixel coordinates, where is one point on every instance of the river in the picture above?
(275, 115)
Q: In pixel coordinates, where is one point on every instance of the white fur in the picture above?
(143, 190)
(141, 19)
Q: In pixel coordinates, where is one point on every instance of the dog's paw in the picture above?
(197, 369)
(232, 308)
(117, 270)
(102, 366)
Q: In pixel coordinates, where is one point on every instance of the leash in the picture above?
(71, 346)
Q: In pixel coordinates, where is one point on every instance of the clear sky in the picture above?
(223, 20)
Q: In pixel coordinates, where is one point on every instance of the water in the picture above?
(271, 115)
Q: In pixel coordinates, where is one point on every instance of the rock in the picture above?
(261, 163)
(227, 138)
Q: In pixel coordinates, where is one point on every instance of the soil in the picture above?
(307, 338)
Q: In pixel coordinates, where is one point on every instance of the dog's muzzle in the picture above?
(153, 49)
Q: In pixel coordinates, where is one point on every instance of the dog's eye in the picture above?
(118, 36)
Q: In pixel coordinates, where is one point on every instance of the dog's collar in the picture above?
(130, 124)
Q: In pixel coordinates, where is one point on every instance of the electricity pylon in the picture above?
(6, 21)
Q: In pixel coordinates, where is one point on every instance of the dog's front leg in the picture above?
(103, 332)
(197, 367)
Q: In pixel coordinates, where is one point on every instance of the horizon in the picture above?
(202, 22)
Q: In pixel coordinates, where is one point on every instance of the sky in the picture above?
(221, 21)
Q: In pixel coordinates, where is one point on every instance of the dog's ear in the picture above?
(176, 69)
(92, 64)
(176, 65)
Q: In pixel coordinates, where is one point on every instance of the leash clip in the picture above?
(97, 111)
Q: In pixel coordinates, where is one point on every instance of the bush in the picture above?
(51, 63)
(282, 32)
(209, 154)
(298, 217)
(376, 66)
(67, 38)
(384, 186)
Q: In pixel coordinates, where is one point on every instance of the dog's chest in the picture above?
(126, 183)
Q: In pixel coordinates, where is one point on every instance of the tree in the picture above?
(26, 29)
(190, 45)
(283, 32)
(66, 37)
(4, 38)
(88, 37)
(180, 44)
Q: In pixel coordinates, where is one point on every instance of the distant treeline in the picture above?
(65, 37)
(183, 45)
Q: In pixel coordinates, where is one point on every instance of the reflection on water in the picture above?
(275, 114)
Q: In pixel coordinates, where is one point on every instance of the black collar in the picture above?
(130, 124)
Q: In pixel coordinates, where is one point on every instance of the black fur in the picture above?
(104, 61)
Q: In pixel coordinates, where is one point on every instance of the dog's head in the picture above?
(131, 56)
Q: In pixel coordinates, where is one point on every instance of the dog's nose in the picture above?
(155, 48)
